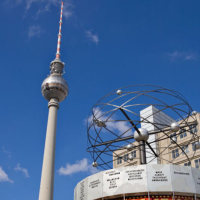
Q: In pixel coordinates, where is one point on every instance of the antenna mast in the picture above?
(59, 34)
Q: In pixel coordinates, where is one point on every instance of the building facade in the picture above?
(180, 147)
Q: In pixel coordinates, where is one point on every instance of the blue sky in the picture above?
(106, 44)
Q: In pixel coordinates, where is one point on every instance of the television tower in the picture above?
(55, 90)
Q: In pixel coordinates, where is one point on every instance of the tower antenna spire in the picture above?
(59, 33)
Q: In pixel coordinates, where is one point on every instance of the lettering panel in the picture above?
(95, 184)
(113, 182)
(182, 179)
(135, 179)
(196, 177)
(81, 191)
(159, 178)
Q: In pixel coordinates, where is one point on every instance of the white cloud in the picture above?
(92, 37)
(80, 166)
(45, 6)
(34, 31)
(23, 170)
(119, 126)
(4, 176)
(178, 55)
(29, 4)
(40, 3)
(67, 10)
(6, 152)
(190, 57)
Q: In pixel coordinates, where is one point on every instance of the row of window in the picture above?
(126, 157)
(183, 132)
(175, 152)
(196, 162)
(133, 153)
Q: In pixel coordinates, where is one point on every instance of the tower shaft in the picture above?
(47, 177)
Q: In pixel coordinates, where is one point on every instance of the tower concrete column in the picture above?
(47, 177)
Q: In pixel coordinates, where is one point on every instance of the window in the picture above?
(183, 133)
(175, 153)
(173, 137)
(187, 164)
(125, 157)
(195, 146)
(133, 154)
(197, 163)
(193, 128)
(119, 160)
(185, 149)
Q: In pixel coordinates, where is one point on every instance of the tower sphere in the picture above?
(94, 164)
(194, 112)
(197, 145)
(175, 127)
(130, 157)
(54, 86)
(119, 92)
(129, 147)
(143, 136)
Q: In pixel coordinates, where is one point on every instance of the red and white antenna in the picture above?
(59, 34)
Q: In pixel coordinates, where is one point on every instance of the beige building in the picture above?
(181, 147)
